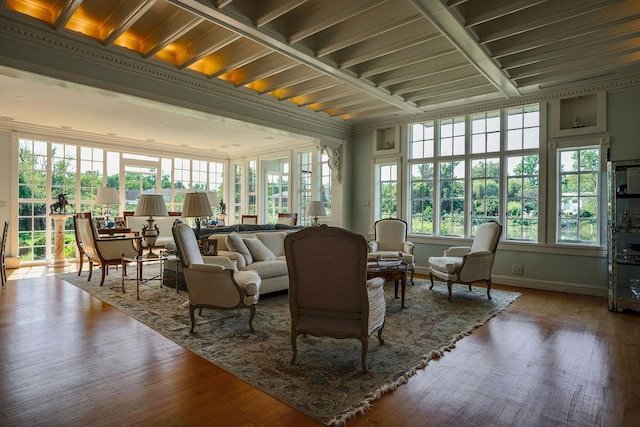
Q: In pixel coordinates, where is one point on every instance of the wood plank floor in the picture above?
(551, 359)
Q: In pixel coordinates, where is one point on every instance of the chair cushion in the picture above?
(258, 250)
(445, 264)
(235, 243)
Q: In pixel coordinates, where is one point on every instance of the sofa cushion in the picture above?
(268, 269)
(236, 244)
(274, 241)
(258, 250)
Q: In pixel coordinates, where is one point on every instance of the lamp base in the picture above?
(150, 233)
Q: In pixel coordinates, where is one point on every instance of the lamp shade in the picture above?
(196, 205)
(151, 205)
(107, 196)
(315, 208)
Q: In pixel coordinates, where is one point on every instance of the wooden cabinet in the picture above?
(624, 236)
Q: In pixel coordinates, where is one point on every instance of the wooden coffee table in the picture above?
(394, 274)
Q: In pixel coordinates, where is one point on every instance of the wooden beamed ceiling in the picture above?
(361, 59)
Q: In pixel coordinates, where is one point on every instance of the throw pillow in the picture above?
(258, 250)
(235, 243)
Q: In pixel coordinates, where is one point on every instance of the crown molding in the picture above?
(134, 146)
(204, 94)
(612, 84)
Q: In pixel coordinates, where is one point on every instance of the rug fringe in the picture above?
(366, 403)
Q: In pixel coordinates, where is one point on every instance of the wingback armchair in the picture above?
(216, 284)
(390, 240)
(468, 264)
(102, 251)
(329, 294)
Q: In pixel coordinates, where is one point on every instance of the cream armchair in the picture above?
(469, 264)
(102, 251)
(329, 294)
(216, 284)
(390, 240)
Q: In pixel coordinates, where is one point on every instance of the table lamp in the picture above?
(107, 196)
(151, 205)
(315, 208)
(196, 205)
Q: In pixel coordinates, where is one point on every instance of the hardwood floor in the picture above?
(68, 359)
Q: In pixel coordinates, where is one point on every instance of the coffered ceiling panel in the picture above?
(365, 59)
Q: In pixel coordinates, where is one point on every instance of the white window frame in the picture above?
(554, 193)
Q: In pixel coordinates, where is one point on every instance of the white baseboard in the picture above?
(544, 285)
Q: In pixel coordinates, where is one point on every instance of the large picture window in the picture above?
(46, 169)
(476, 168)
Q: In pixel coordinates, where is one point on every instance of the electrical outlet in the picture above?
(365, 203)
(517, 269)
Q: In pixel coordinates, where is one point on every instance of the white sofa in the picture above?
(273, 272)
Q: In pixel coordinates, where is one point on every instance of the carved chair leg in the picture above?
(489, 288)
(449, 286)
(380, 339)
(90, 269)
(413, 271)
(80, 267)
(192, 315)
(294, 344)
(251, 316)
(365, 348)
(470, 290)
(431, 278)
(104, 271)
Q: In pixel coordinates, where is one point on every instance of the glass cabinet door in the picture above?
(624, 238)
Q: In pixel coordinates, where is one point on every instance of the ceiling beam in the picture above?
(442, 19)
(276, 43)
(123, 18)
(66, 13)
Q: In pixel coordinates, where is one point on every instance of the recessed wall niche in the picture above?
(386, 140)
(579, 115)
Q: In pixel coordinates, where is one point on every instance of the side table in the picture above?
(396, 273)
(140, 261)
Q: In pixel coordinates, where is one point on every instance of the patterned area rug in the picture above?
(327, 383)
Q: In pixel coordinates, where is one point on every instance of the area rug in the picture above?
(327, 382)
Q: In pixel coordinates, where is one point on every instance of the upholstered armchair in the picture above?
(102, 251)
(469, 264)
(390, 240)
(249, 219)
(216, 284)
(329, 294)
